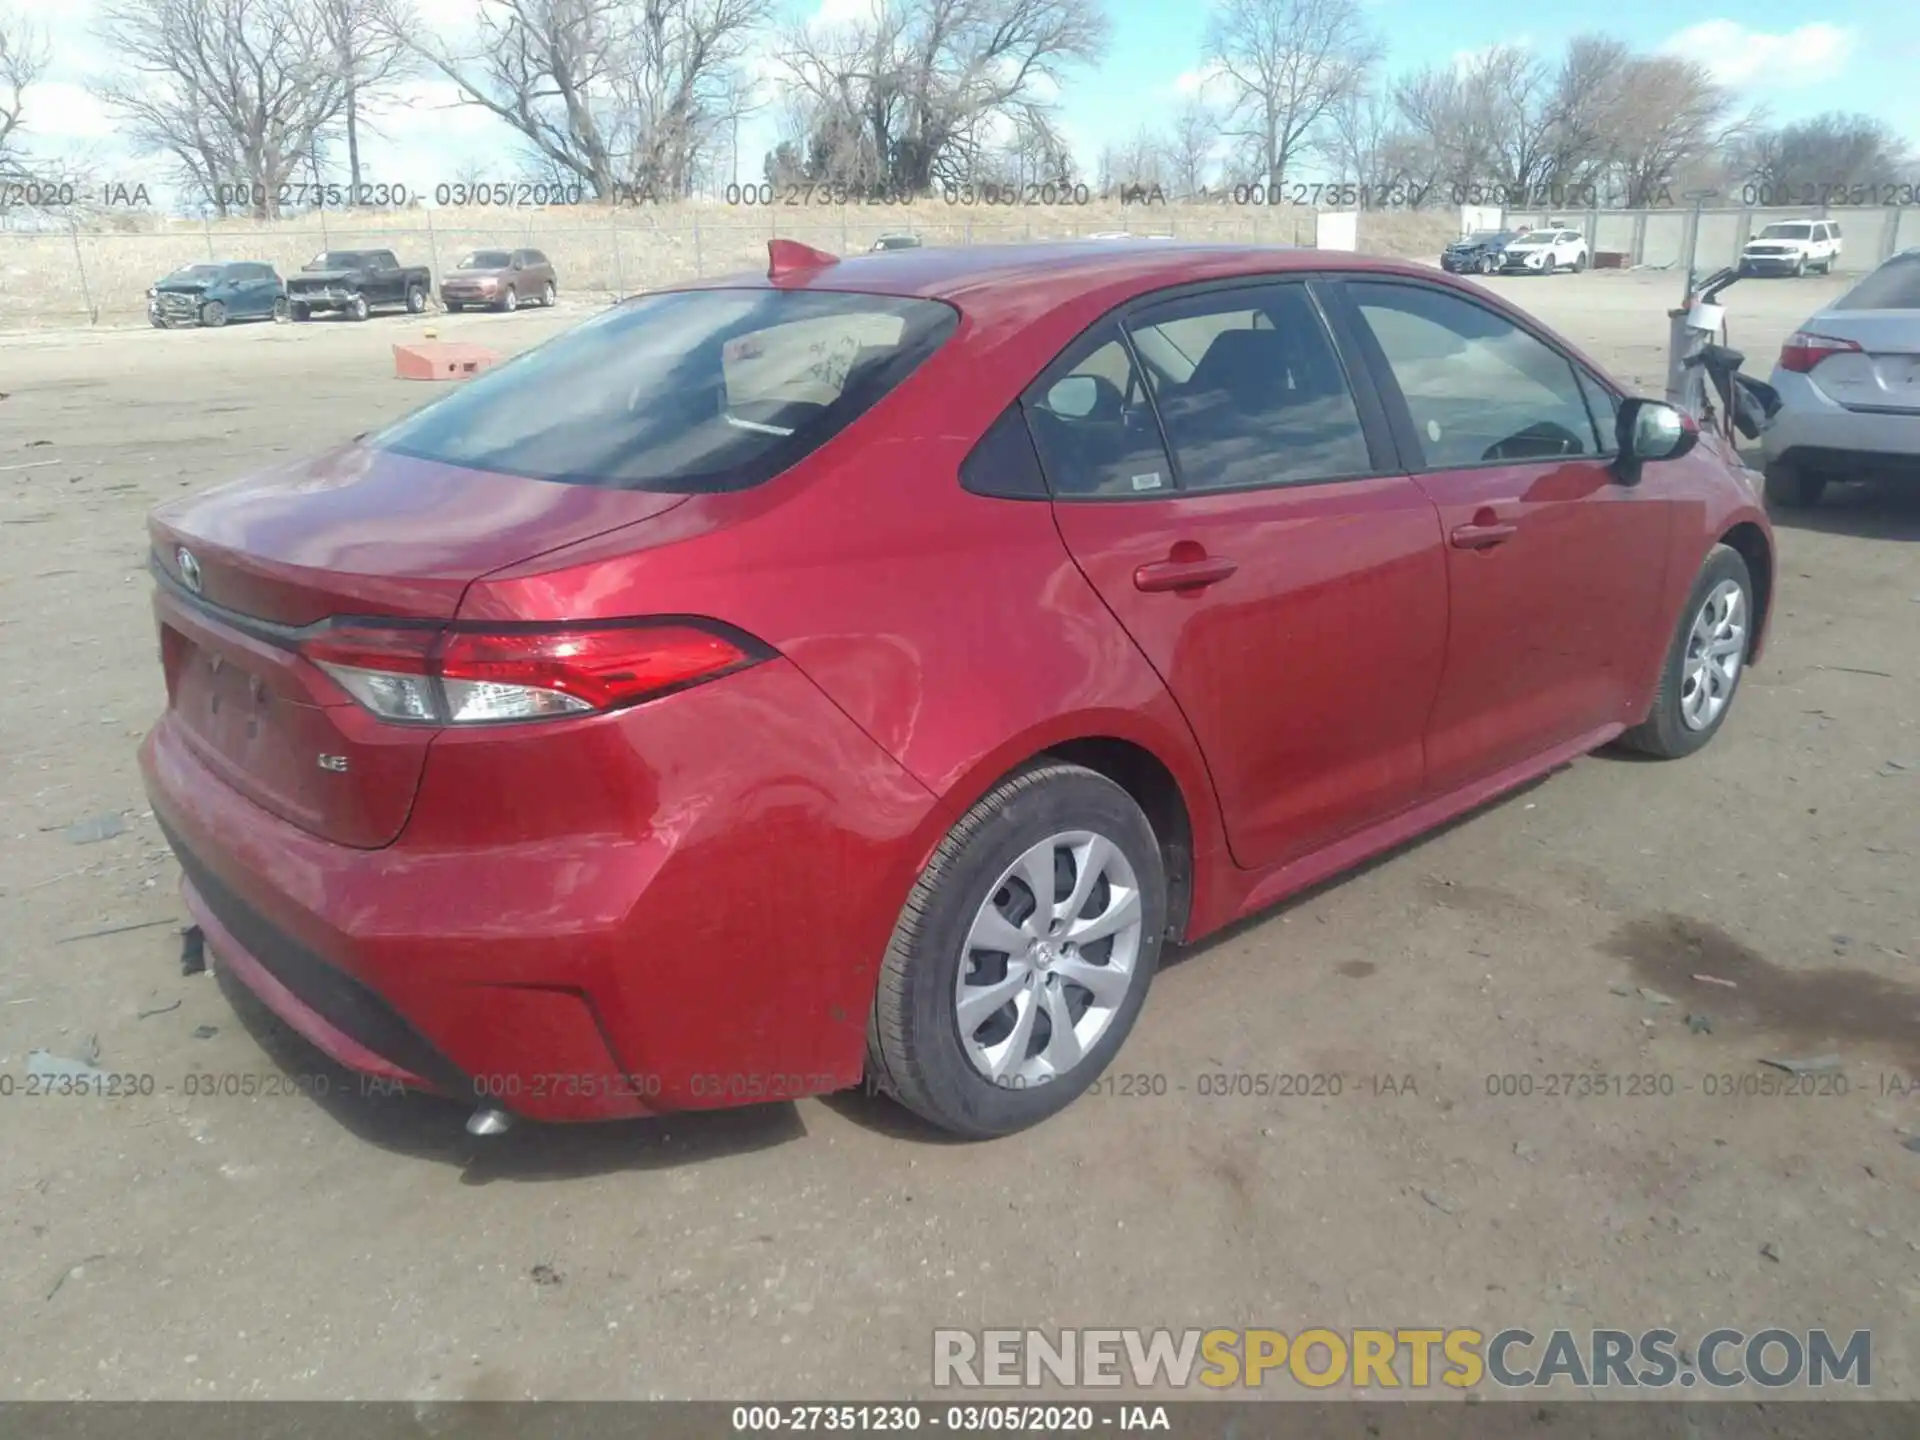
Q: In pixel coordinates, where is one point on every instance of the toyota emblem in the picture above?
(189, 568)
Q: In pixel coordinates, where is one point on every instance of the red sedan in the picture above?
(863, 669)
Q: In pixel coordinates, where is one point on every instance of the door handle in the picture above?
(1183, 574)
(1482, 537)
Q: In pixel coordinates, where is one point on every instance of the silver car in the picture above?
(1849, 383)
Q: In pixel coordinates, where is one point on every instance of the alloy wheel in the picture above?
(1049, 959)
(1716, 648)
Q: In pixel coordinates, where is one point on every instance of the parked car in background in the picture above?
(356, 283)
(863, 669)
(499, 280)
(1849, 383)
(1792, 247)
(1543, 251)
(1478, 253)
(214, 293)
(900, 241)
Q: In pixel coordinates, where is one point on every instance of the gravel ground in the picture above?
(292, 1246)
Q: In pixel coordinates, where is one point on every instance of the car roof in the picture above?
(984, 280)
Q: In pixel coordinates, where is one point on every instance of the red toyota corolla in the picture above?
(865, 669)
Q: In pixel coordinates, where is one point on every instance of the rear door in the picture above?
(1554, 569)
(1235, 501)
(1881, 315)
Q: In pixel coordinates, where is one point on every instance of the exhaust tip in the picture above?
(489, 1121)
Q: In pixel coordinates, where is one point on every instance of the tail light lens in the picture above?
(1804, 350)
(423, 676)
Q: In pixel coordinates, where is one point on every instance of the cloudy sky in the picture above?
(1861, 55)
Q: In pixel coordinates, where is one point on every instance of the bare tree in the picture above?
(1811, 156)
(912, 93)
(1288, 63)
(369, 56)
(235, 91)
(23, 60)
(1189, 147)
(1675, 122)
(621, 94)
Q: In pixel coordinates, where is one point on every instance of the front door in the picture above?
(1554, 568)
(1286, 584)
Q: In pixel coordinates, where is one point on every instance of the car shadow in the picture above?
(1869, 510)
(1180, 954)
(433, 1127)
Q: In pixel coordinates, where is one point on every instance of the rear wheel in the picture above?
(416, 299)
(1793, 488)
(1704, 663)
(357, 308)
(454, 307)
(1023, 955)
(300, 312)
(1580, 262)
(213, 314)
(547, 295)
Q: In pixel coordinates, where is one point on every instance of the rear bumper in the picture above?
(679, 906)
(1811, 426)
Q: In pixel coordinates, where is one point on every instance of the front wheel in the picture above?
(1799, 266)
(1580, 262)
(358, 309)
(213, 314)
(1704, 663)
(1023, 955)
(1488, 264)
(510, 301)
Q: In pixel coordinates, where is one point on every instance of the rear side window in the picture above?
(682, 391)
(1094, 428)
(1894, 286)
(1250, 390)
(1478, 389)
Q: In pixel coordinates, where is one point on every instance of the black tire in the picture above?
(358, 309)
(280, 309)
(300, 313)
(509, 300)
(1791, 488)
(416, 299)
(213, 314)
(1664, 733)
(548, 295)
(1799, 266)
(914, 1047)
(1580, 262)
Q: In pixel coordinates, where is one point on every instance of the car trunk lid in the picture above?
(1883, 375)
(248, 571)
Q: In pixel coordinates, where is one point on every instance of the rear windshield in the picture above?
(487, 260)
(682, 391)
(336, 260)
(1894, 286)
(1787, 232)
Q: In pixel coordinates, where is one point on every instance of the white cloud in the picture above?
(1207, 83)
(1752, 59)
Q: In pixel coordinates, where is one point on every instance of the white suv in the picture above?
(1541, 252)
(1793, 247)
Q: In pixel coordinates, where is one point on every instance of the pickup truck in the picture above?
(356, 282)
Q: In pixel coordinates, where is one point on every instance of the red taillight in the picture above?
(533, 672)
(1804, 350)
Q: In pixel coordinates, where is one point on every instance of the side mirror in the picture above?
(1074, 397)
(1650, 430)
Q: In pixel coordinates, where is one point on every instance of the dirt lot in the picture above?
(179, 1246)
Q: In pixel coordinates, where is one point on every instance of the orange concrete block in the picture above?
(441, 360)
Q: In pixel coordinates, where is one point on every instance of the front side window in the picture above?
(1478, 389)
(682, 391)
(1094, 428)
(1250, 389)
